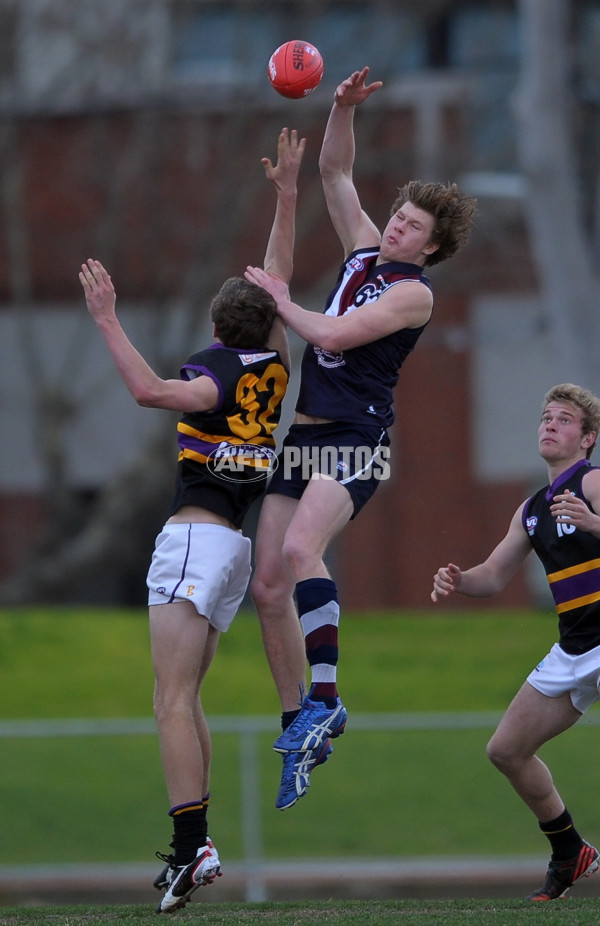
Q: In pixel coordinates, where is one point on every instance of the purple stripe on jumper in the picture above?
(578, 586)
(187, 442)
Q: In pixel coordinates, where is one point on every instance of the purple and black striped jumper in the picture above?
(571, 559)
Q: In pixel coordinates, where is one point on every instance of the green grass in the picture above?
(333, 913)
(96, 663)
(73, 799)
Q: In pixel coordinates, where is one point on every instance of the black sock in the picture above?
(288, 717)
(189, 831)
(563, 837)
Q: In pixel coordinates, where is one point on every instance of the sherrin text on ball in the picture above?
(295, 69)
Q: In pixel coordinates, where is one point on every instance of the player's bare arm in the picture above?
(353, 226)
(148, 389)
(405, 305)
(284, 176)
(279, 255)
(491, 576)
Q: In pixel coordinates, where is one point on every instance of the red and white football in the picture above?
(295, 69)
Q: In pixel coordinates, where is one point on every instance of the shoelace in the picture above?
(163, 857)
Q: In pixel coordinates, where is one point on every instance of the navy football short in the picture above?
(355, 456)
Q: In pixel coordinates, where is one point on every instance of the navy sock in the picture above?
(319, 611)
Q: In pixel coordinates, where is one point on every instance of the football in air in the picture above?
(295, 69)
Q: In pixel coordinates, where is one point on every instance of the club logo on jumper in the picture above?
(531, 524)
(329, 360)
(355, 265)
(248, 359)
(370, 292)
(237, 462)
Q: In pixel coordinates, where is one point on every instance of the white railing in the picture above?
(247, 728)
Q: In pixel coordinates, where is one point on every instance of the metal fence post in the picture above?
(251, 813)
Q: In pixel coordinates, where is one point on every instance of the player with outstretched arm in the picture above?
(379, 307)
(229, 396)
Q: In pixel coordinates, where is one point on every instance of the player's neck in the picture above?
(557, 469)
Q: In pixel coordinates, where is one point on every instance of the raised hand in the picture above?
(354, 90)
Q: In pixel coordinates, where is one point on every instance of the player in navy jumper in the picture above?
(230, 398)
(337, 449)
(561, 525)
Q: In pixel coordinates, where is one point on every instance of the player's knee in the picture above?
(171, 702)
(160, 708)
(297, 556)
(267, 592)
(259, 591)
(498, 755)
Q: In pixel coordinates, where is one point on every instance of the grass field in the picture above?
(356, 913)
(409, 793)
(96, 663)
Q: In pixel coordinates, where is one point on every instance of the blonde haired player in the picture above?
(561, 524)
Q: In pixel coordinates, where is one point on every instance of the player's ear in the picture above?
(589, 439)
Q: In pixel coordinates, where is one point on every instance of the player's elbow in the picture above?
(333, 342)
(341, 335)
(331, 172)
(489, 585)
(325, 166)
(146, 397)
(144, 401)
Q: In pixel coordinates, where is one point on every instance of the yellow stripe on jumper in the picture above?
(574, 570)
(227, 438)
(577, 602)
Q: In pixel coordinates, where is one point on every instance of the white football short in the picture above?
(206, 564)
(558, 673)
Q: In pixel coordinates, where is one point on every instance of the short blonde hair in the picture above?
(583, 399)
